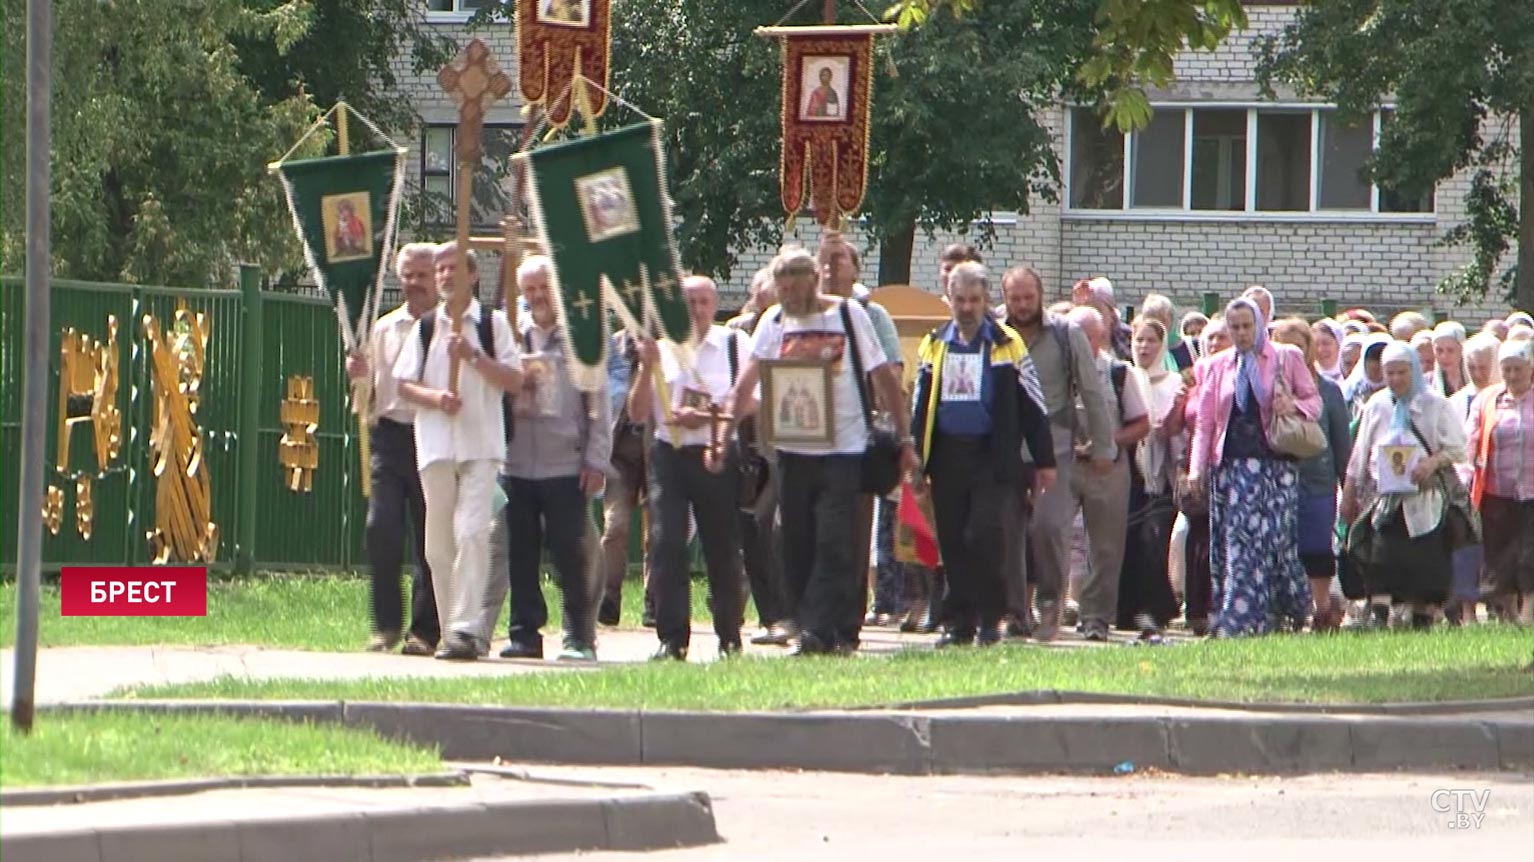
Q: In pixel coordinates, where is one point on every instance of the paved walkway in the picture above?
(823, 817)
(75, 673)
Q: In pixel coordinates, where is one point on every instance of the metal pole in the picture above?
(250, 417)
(29, 530)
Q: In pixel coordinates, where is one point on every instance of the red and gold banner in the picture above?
(827, 92)
(556, 40)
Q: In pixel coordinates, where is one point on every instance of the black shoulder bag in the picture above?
(881, 458)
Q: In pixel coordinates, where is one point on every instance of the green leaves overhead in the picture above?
(165, 114)
(1135, 43)
(1460, 75)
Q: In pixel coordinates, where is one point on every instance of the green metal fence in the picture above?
(256, 341)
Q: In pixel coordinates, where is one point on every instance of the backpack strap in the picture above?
(857, 365)
(428, 328)
(1119, 372)
(734, 360)
(487, 331)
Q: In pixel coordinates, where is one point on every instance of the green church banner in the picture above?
(600, 207)
(343, 209)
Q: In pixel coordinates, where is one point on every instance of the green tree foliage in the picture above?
(1135, 43)
(1461, 76)
(165, 115)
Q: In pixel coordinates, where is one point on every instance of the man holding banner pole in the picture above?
(460, 440)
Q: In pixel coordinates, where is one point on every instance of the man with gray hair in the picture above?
(556, 460)
(1102, 498)
(821, 482)
(397, 501)
(692, 468)
(977, 403)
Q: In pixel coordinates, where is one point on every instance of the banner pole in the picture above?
(362, 387)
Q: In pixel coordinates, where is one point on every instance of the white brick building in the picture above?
(1221, 190)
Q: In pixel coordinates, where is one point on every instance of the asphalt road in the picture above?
(806, 817)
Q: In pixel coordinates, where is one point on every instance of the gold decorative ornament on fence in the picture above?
(85, 507)
(298, 451)
(88, 384)
(53, 509)
(184, 530)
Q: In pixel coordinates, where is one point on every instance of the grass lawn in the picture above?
(293, 611)
(85, 749)
(1481, 662)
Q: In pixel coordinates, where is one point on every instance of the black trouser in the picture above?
(397, 502)
(759, 548)
(547, 513)
(679, 481)
(969, 503)
(818, 500)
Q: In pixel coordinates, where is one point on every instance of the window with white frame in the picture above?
(455, 7)
(1239, 160)
(491, 189)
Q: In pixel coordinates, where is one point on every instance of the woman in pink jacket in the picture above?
(1254, 493)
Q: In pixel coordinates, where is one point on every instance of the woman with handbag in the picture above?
(1400, 487)
(1501, 432)
(1246, 394)
(1320, 477)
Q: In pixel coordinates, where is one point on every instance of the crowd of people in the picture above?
(1239, 474)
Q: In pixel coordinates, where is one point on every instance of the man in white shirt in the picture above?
(821, 484)
(688, 471)
(396, 500)
(460, 440)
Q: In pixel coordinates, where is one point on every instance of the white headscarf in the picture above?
(1358, 387)
(1335, 372)
(1159, 387)
(1450, 330)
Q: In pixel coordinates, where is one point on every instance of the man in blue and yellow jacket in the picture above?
(977, 402)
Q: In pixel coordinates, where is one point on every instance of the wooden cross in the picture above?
(713, 457)
(475, 81)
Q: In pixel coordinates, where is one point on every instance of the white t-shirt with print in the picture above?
(821, 337)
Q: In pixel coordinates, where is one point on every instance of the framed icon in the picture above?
(607, 204)
(823, 93)
(797, 402)
(348, 226)
(566, 13)
(696, 399)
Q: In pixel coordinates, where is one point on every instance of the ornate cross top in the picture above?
(475, 81)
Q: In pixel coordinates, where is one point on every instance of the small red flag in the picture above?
(911, 517)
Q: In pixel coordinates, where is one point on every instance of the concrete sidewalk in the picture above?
(492, 816)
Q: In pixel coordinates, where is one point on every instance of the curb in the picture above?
(632, 823)
(141, 789)
(911, 743)
(1047, 697)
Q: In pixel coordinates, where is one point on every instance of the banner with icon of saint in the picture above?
(558, 41)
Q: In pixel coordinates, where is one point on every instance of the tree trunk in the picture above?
(1523, 291)
(895, 255)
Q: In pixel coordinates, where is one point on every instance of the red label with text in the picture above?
(134, 591)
